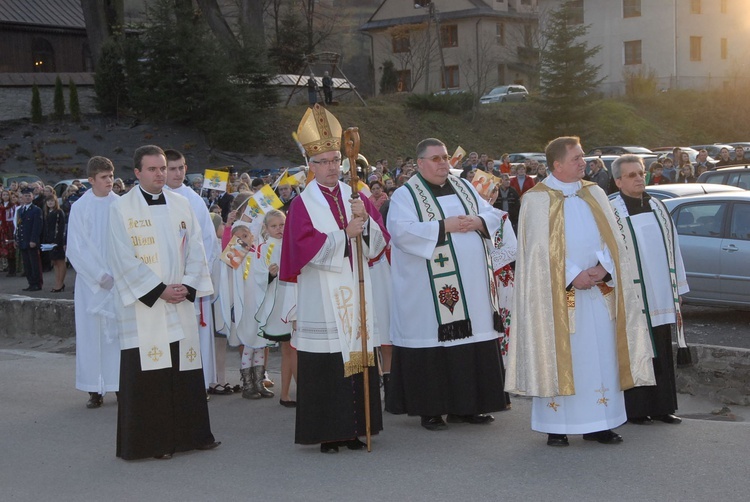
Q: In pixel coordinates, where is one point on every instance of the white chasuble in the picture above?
(151, 245)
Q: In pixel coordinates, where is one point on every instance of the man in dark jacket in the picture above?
(28, 238)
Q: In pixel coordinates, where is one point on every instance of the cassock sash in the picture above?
(151, 322)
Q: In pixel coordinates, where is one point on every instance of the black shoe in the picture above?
(288, 404)
(354, 444)
(435, 423)
(209, 446)
(329, 447)
(669, 419)
(32, 288)
(95, 400)
(603, 437)
(58, 290)
(641, 420)
(10, 274)
(557, 440)
(478, 419)
(166, 456)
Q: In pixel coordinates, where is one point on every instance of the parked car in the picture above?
(63, 185)
(714, 234)
(619, 150)
(673, 190)
(692, 152)
(647, 158)
(713, 150)
(517, 158)
(736, 176)
(505, 93)
(8, 178)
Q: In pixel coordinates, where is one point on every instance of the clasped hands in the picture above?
(463, 223)
(359, 218)
(174, 293)
(588, 278)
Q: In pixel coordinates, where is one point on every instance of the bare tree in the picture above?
(421, 50)
(103, 18)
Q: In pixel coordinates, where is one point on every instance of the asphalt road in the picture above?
(53, 448)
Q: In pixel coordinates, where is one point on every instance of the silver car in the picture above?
(505, 93)
(714, 233)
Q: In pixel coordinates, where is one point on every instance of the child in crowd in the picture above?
(277, 300)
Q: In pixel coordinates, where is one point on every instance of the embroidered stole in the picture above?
(342, 288)
(151, 322)
(666, 225)
(445, 276)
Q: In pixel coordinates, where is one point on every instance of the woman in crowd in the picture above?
(7, 228)
(378, 196)
(54, 233)
(685, 174)
(118, 187)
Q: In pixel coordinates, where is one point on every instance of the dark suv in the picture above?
(737, 176)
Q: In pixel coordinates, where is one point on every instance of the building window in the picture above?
(404, 81)
(724, 48)
(527, 35)
(500, 34)
(695, 48)
(575, 12)
(695, 6)
(501, 74)
(724, 6)
(43, 55)
(450, 79)
(400, 42)
(449, 35)
(631, 8)
(525, 2)
(633, 52)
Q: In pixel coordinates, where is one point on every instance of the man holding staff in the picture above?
(320, 256)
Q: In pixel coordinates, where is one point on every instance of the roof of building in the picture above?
(44, 79)
(53, 13)
(421, 17)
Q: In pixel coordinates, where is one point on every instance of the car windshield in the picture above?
(499, 90)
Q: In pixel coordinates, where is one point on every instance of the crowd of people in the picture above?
(413, 281)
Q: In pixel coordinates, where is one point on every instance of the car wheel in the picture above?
(523, 98)
(502, 100)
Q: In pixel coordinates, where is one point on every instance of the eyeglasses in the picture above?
(639, 174)
(437, 158)
(330, 162)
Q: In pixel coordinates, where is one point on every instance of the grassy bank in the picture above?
(387, 128)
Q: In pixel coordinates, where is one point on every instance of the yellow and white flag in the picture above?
(215, 180)
(262, 201)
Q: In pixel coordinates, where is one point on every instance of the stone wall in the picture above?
(721, 374)
(15, 102)
(24, 316)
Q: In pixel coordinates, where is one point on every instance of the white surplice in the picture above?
(413, 319)
(598, 403)
(276, 300)
(183, 262)
(203, 305)
(97, 343)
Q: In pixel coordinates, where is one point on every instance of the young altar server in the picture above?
(277, 300)
(97, 344)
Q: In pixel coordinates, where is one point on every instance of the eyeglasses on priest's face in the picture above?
(437, 158)
(327, 162)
